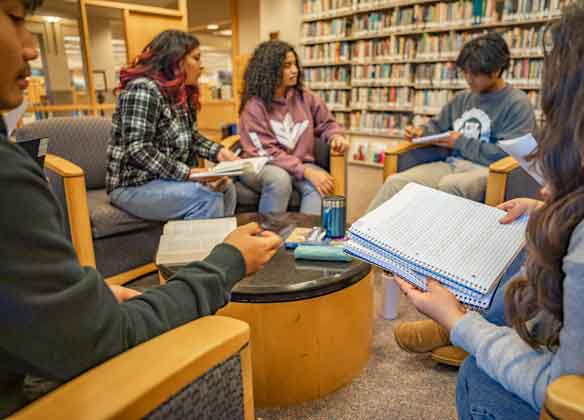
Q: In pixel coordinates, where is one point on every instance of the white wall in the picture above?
(284, 16)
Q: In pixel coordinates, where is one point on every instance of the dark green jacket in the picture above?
(58, 319)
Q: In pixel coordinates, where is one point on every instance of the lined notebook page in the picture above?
(445, 234)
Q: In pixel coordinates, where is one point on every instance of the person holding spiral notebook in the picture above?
(540, 335)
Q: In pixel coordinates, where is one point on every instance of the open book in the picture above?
(421, 232)
(519, 148)
(185, 241)
(234, 168)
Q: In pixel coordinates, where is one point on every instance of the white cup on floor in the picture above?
(391, 295)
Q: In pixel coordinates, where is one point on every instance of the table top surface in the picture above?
(286, 279)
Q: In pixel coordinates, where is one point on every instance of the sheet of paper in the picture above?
(519, 148)
(11, 118)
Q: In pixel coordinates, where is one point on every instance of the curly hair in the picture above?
(264, 71)
(559, 155)
(160, 61)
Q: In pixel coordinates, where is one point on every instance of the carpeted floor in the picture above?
(395, 384)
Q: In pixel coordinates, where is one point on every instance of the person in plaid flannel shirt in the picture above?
(155, 143)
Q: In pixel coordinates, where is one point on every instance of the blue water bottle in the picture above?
(333, 217)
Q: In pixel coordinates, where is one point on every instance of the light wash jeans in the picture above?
(454, 175)
(171, 200)
(478, 396)
(275, 186)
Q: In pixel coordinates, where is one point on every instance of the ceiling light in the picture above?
(213, 27)
(226, 32)
(52, 19)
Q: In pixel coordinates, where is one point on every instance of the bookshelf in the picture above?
(381, 64)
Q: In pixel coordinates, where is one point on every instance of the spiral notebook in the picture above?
(421, 232)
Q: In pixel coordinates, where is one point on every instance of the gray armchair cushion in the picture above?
(81, 140)
(108, 220)
(217, 395)
(119, 253)
(521, 184)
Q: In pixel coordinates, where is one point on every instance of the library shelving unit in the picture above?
(382, 64)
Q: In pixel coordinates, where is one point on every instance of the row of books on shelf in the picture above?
(385, 97)
(445, 46)
(334, 76)
(337, 52)
(365, 152)
(485, 10)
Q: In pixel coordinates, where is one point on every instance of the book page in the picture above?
(219, 227)
(185, 241)
(519, 148)
(439, 232)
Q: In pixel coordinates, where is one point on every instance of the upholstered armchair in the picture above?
(248, 199)
(201, 370)
(119, 245)
(507, 180)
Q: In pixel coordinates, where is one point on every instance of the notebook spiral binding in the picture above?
(433, 270)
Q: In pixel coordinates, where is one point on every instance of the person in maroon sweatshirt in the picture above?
(281, 120)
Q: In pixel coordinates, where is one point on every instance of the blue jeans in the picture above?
(171, 200)
(275, 186)
(478, 396)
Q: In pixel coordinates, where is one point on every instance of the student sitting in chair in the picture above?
(282, 120)
(59, 319)
(155, 143)
(534, 331)
(475, 120)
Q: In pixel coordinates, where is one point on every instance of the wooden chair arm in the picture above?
(134, 383)
(230, 141)
(564, 399)
(77, 206)
(338, 168)
(403, 147)
(62, 167)
(504, 166)
(497, 180)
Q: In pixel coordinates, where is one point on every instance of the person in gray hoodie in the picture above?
(540, 336)
(476, 119)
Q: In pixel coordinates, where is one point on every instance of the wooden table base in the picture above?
(306, 349)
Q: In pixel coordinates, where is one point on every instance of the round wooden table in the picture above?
(311, 321)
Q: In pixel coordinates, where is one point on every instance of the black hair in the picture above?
(263, 74)
(485, 54)
(32, 5)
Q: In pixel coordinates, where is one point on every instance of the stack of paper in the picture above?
(421, 232)
(185, 241)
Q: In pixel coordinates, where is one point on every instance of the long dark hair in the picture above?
(560, 154)
(160, 61)
(263, 74)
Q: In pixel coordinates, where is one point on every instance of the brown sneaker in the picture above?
(449, 355)
(421, 336)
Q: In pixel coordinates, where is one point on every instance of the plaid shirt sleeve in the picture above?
(140, 107)
(205, 148)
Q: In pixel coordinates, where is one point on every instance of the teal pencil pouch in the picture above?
(321, 253)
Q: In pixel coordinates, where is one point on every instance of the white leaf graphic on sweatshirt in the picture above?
(288, 132)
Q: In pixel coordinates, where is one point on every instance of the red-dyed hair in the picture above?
(160, 61)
